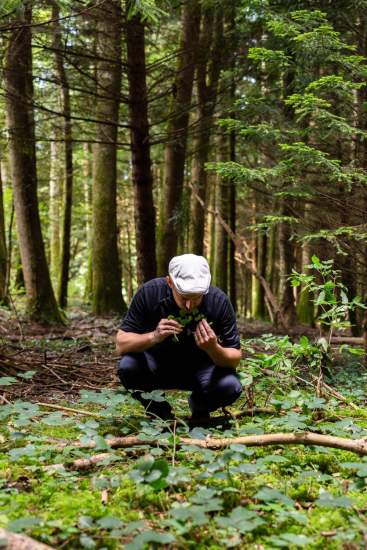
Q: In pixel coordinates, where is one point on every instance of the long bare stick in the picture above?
(358, 446)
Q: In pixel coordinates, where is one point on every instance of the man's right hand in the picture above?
(165, 328)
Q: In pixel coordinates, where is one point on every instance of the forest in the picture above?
(132, 131)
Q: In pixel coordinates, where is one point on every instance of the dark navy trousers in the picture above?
(212, 387)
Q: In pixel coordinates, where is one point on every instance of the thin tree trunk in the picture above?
(232, 206)
(68, 158)
(208, 70)
(286, 264)
(140, 150)
(221, 236)
(258, 306)
(3, 251)
(54, 210)
(41, 303)
(305, 305)
(107, 297)
(87, 188)
(175, 152)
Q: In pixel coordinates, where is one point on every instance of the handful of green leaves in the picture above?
(185, 318)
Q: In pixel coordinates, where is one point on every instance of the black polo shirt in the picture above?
(154, 301)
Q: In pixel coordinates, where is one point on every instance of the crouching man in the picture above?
(180, 333)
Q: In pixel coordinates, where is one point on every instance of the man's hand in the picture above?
(205, 337)
(165, 328)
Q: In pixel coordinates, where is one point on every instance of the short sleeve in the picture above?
(227, 327)
(136, 319)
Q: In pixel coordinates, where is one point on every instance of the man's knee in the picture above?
(229, 386)
(132, 370)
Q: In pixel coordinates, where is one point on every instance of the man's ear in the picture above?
(169, 281)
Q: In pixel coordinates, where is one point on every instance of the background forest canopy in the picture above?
(133, 131)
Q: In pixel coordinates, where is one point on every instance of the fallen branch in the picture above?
(20, 542)
(358, 446)
(352, 340)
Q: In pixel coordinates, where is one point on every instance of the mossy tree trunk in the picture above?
(107, 297)
(175, 152)
(140, 150)
(41, 303)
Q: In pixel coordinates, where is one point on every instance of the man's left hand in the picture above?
(205, 337)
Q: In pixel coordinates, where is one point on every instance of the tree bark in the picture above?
(208, 70)
(140, 150)
(221, 236)
(41, 303)
(286, 264)
(3, 251)
(107, 297)
(175, 152)
(87, 192)
(68, 159)
(54, 210)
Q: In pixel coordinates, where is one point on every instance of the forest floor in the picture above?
(82, 467)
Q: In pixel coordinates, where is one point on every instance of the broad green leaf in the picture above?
(267, 494)
(109, 522)
(327, 500)
(20, 524)
(142, 540)
(8, 380)
(27, 375)
(87, 542)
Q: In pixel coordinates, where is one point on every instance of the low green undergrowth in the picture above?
(184, 496)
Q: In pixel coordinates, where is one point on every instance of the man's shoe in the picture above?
(199, 421)
(159, 409)
(205, 421)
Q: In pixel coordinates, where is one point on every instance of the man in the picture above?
(180, 333)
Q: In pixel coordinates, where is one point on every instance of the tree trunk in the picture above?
(3, 251)
(68, 159)
(221, 235)
(286, 264)
(177, 135)
(87, 188)
(107, 297)
(54, 210)
(140, 151)
(232, 214)
(208, 70)
(41, 303)
(258, 305)
(305, 306)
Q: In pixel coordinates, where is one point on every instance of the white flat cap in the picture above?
(190, 274)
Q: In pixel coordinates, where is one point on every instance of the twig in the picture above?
(68, 409)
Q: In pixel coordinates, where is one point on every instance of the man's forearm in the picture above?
(132, 342)
(224, 357)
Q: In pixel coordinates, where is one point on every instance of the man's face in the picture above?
(188, 302)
